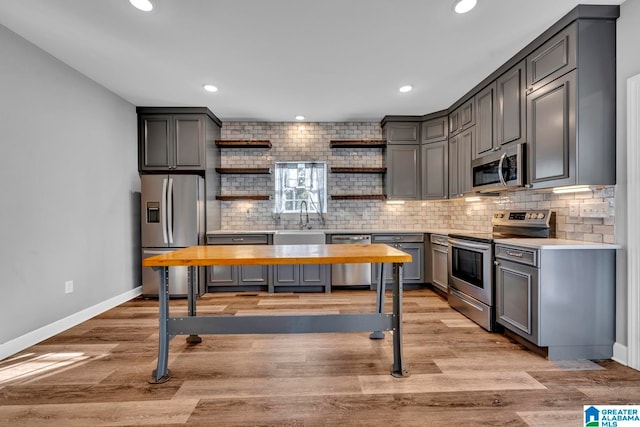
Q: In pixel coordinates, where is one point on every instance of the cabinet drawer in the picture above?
(553, 59)
(438, 239)
(238, 239)
(397, 238)
(520, 255)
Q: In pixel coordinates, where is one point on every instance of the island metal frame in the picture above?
(193, 325)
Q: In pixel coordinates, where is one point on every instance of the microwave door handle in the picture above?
(500, 175)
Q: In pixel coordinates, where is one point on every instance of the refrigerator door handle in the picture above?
(170, 211)
(163, 210)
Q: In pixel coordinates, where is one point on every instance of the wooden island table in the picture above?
(199, 256)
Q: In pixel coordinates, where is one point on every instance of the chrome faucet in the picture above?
(304, 224)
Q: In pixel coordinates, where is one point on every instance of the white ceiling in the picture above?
(330, 60)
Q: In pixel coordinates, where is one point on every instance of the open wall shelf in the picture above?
(233, 198)
(358, 143)
(244, 171)
(358, 170)
(243, 143)
(359, 197)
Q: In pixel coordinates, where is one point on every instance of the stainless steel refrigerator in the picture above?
(172, 217)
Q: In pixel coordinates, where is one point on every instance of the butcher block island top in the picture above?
(278, 254)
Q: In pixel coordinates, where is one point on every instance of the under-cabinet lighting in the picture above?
(210, 88)
(572, 189)
(299, 117)
(395, 202)
(472, 199)
(405, 88)
(464, 6)
(143, 5)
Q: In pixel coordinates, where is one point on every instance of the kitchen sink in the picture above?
(298, 237)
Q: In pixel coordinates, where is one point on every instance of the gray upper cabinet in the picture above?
(435, 170)
(172, 142)
(486, 115)
(554, 58)
(173, 139)
(401, 133)
(510, 94)
(552, 137)
(460, 147)
(571, 119)
(462, 117)
(435, 130)
(403, 172)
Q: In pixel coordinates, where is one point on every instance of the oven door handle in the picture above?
(463, 244)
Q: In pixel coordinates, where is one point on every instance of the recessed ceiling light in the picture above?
(210, 88)
(464, 6)
(143, 5)
(405, 88)
(299, 117)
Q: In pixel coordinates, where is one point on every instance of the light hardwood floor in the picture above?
(96, 374)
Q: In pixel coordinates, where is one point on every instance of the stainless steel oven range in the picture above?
(471, 257)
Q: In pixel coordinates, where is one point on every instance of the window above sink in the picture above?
(300, 186)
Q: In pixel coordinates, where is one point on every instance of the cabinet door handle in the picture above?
(515, 254)
(237, 239)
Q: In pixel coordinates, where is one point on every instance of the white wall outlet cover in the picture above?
(68, 286)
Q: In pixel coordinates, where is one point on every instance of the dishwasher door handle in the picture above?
(350, 238)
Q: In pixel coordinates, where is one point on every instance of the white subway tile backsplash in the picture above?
(310, 141)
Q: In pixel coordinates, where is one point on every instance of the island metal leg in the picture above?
(378, 335)
(161, 373)
(398, 370)
(191, 301)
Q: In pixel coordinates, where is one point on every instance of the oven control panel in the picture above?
(522, 218)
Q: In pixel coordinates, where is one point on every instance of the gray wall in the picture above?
(628, 65)
(69, 190)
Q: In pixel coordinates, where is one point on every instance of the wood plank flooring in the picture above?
(96, 374)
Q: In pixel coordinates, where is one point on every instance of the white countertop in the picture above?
(443, 231)
(556, 244)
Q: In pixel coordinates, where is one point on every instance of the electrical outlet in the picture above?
(594, 210)
(574, 209)
(68, 286)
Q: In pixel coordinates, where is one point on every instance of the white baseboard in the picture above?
(31, 338)
(620, 354)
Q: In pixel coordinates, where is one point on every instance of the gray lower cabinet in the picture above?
(238, 275)
(460, 147)
(403, 172)
(317, 275)
(434, 164)
(413, 244)
(568, 311)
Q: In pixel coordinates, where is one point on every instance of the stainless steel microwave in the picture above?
(498, 171)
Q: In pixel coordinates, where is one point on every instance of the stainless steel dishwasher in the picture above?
(344, 275)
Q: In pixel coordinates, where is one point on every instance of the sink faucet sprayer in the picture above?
(306, 208)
